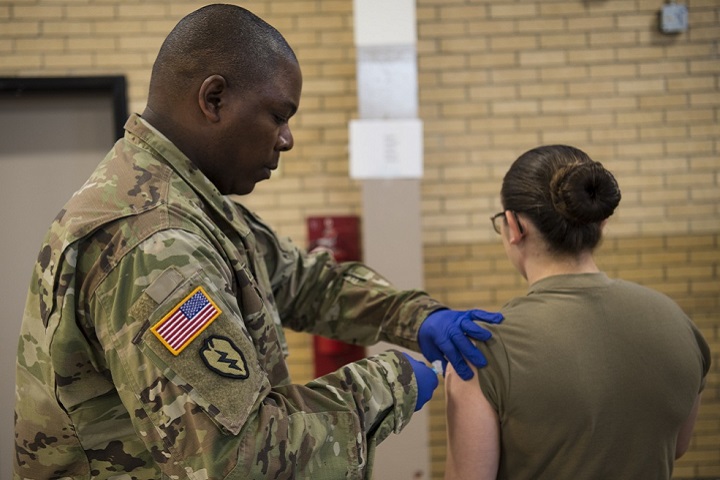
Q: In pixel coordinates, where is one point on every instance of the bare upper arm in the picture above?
(473, 430)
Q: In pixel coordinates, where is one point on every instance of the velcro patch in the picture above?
(186, 321)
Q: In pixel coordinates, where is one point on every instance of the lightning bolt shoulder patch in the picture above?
(223, 357)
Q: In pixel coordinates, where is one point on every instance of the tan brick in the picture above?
(92, 44)
(36, 12)
(514, 75)
(541, 90)
(704, 66)
(691, 83)
(641, 86)
(677, 68)
(118, 60)
(138, 43)
(143, 11)
(590, 24)
(562, 9)
(465, 109)
(466, 141)
(613, 38)
(443, 94)
(614, 71)
(50, 44)
(320, 22)
(613, 103)
(576, 40)
(515, 42)
(89, 11)
(639, 53)
(572, 137)
(18, 29)
(490, 27)
(662, 100)
(295, 7)
(493, 59)
(440, 30)
(494, 124)
(515, 107)
(543, 57)
(701, 146)
(463, 12)
(565, 105)
(68, 60)
(504, 10)
(463, 45)
(541, 25)
(638, 21)
(591, 56)
(639, 117)
(20, 62)
(662, 132)
(442, 62)
(703, 33)
(124, 28)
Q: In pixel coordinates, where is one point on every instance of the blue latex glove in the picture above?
(444, 336)
(426, 379)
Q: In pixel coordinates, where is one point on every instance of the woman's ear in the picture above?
(211, 95)
(515, 230)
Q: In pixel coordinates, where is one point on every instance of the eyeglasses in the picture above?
(494, 219)
(496, 225)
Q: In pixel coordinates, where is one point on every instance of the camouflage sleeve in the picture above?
(213, 400)
(348, 301)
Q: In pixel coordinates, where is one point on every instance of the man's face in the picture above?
(254, 130)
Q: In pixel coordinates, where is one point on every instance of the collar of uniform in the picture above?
(571, 281)
(141, 133)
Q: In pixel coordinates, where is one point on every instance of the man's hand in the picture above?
(426, 379)
(444, 336)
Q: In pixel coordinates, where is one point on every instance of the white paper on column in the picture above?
(387, 81)
(386, 149)
(379, 22)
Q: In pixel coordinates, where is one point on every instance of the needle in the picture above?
(437, 367)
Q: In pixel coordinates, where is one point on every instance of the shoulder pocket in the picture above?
(197, 340)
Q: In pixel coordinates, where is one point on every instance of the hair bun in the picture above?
(584, 192)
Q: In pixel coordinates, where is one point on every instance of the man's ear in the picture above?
(211, 96)
(515, 231)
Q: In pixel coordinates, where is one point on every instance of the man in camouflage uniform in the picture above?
(152, 344)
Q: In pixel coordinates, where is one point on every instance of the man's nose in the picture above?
(285, 140)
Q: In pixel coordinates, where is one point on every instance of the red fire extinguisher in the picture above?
(341, 236)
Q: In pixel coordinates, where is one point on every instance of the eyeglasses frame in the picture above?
(502, 214)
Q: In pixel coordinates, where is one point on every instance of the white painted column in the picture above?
(386, 149)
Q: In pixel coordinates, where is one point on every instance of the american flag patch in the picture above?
(186, 321)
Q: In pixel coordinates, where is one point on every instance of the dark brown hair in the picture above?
(564, 193)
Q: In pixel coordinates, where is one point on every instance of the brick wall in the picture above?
(496, 77)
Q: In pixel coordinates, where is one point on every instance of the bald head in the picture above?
(217, 39)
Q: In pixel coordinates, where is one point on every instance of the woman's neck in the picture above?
(543, 266)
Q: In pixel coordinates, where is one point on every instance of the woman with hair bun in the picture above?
(588, 377)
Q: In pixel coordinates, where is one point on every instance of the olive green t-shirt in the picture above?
(592, 378)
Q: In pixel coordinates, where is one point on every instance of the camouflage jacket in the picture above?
(152, 342)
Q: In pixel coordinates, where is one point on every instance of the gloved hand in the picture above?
(426, 379)
(443, 336)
